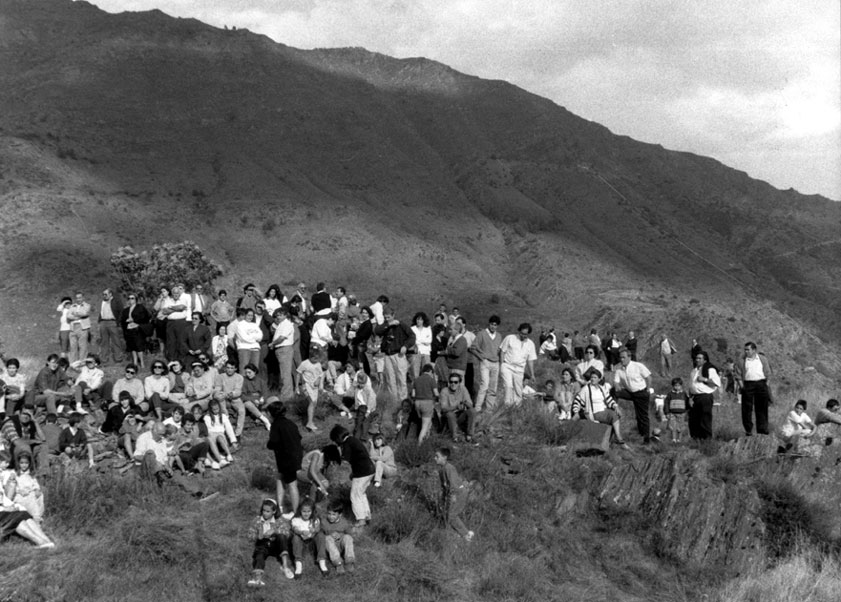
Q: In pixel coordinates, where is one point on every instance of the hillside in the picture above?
(426, 183)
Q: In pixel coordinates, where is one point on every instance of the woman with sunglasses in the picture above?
(135, 320)
(129, 383)
(88, 383)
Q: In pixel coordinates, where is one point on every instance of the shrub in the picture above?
(163, 265)
(401, 519)
(791, 519)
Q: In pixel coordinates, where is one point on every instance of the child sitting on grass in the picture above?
(675, 407)
(270, 534)
(307, 535)
(73, 442)
(14, 519)
(338, 536)
(453, 493)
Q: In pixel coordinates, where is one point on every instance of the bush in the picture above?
(790, 519)
(163, 265)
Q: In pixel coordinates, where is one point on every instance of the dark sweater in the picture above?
(356, 454)
(285, 442)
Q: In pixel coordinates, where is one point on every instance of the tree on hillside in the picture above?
(163, 265)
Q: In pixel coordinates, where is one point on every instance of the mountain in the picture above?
(397, 176)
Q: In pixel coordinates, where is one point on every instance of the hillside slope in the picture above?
(398, 176)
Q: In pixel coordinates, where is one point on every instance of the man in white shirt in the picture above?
(517, 356)
(753, 373)
(341, 302)
(150, 455)
(78, 318)
(110, 333)
(322, 331)
(177, 323)
(632, 381)
(282, 341)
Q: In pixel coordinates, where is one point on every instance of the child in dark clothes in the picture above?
(453, 493)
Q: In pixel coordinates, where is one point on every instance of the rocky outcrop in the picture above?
(700, 519)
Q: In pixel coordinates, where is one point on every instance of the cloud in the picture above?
(735, 80)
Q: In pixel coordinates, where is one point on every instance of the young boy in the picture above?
(675, 406)
(453, 493)
(73, 442)
(338, 538)
(52, 433)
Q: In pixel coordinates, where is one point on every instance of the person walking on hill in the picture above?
(632, 381)
(752, 374)
(667, 350)
(517, 355)
(485, 348)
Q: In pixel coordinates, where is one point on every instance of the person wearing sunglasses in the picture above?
(135, 321)
(130, 383)
(590, 361)
(457, 407)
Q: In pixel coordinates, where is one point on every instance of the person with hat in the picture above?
(285, 442)
(382, 456)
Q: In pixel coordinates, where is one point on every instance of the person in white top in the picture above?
(78, 319)
(423, 343)
(64, 326)
(282, 342)
(341, 302)
(322, 331)
(177, 323)
(632, 381)
(590, 361)
(248, 337)
(703, 381)
(377, 309)
(517, 355)
(667, 350)
(797, 425)
(273, 299)
(220, 432)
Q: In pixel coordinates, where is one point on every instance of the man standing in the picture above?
(485, 349)
(397, 340)
(322, 330)
(632, 381)
(78, 317)
(341, 302)
(517, 355)
(752, 374)
(666, 352)
(178, 324)
(282, 344)
(322, 303)
(470, 371)
(199, 302)
(109, 330)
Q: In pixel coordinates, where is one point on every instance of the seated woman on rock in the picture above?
(797, 425)
(595, 403)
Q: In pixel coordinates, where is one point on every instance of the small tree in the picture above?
(163, 265)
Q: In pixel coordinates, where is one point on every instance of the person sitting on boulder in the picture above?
(595, 403)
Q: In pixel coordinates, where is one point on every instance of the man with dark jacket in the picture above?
(322, 303)
(397, 340)
(362, 471)
(285, 442)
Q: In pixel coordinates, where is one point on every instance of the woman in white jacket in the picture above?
(248, 337)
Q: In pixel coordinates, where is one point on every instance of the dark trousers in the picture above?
(641, 403)
(277, 546)
(701, 416)
(579, 353)
(194, 455)
(110, 341)
(755, 397)
(315, 545)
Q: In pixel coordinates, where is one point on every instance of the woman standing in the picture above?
(703, 381)
(248, 337)
(134, 320)
(219, 347)
(162, 303)
(423, 342)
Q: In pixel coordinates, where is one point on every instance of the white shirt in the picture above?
(631, 377)
(753, 369)
(184, 314)
(423, 339)
(377, 312)
(249, 335)
(344, 385)
(322, 333)
(271, 304)
(105, 312)
(284, 331)
(699, 388)
(63, 324)
(146, 442)
(582, 367)
(517, 353)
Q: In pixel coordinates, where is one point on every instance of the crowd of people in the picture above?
(212, 364)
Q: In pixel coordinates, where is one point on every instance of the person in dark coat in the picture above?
(198, 340)
(135, 320)
(285, 442)
(362, 471)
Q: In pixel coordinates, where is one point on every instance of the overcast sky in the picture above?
(754, 83)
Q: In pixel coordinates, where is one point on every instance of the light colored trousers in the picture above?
(488, 381)
(358, 498)
(335, 549)
(512, 384)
